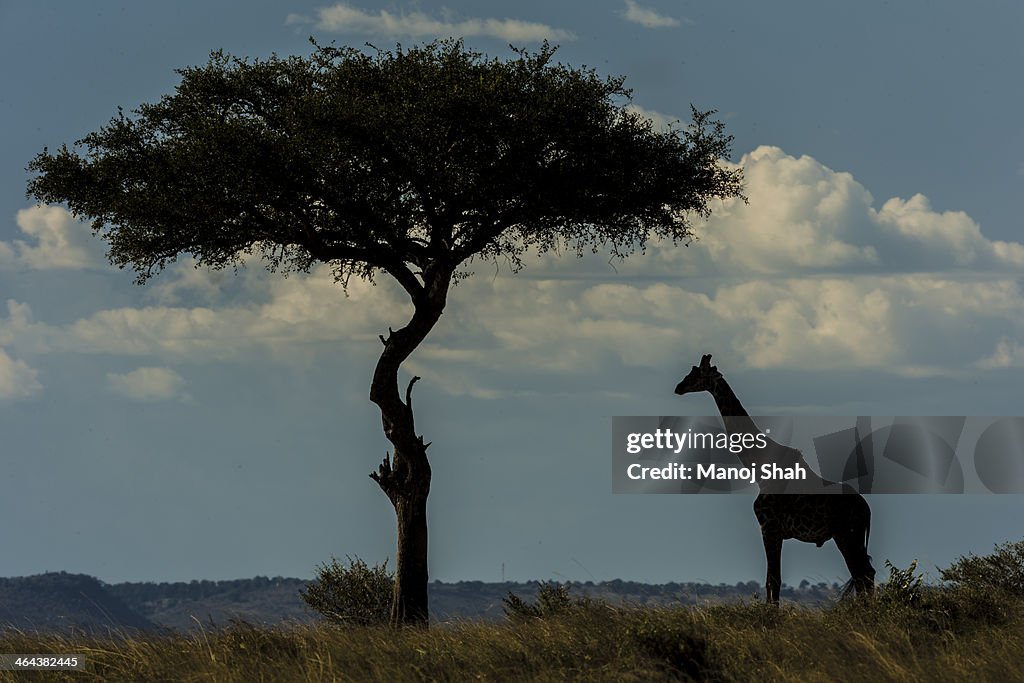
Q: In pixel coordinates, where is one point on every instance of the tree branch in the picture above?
(378, 258)
(386, 477)
(479, 240)
(408, 392)
(405, 277)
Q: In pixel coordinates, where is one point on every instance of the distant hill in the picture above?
(59, 601)
(62, 601)
(183, 606)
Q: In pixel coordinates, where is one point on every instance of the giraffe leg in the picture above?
(773, 555)
(867, 578)
(862, 574)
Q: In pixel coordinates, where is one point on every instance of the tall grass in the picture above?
(940, 639)
(970, 629)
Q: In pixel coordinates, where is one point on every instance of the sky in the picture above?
(217, 426)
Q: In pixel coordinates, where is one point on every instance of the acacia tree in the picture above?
(410, 162)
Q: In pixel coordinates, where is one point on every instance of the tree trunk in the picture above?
(405, 476)
(405, 479)
(409, 605)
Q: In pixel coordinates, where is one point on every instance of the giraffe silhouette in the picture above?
(810, 517)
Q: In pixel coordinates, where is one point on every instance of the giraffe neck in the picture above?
(735, 416)
(738, 421)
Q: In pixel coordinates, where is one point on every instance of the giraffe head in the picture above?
(701, 377)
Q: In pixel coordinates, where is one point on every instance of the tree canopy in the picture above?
(393, 160)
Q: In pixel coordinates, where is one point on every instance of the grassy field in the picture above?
(949, 635)
(969, 628)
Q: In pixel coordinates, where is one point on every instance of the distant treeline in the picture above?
(62, 601)
(147, 591)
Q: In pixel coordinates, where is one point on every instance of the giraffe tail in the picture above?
(867, 536)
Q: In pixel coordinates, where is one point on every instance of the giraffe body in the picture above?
(812, 518)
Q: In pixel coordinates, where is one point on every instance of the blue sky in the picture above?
(218, 426)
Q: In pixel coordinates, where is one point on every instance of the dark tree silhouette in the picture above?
(410, 162)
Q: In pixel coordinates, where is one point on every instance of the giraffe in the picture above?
(812, 518)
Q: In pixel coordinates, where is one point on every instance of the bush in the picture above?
(903, 587)
(552, 599)
(674, 641)
(355, 594)
(1002, 571)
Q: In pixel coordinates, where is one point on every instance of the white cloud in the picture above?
(804, 217)
(660, 121)
(60, 241)
(813, 324)
(1009, 353)
(185, 278)
(17, 379)
(298, 310)
(344, 18)
(21, 330)
(951, 235)
(574, 327)
(801, 215)
(647, 17)
(149, 384)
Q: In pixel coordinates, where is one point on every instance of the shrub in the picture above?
(1002, 571)
(351, 594)
(671, 639)
(904, 585)
(552, 599)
